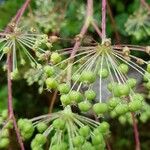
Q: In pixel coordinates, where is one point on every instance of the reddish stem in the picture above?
(16, 19)
(94, 24)
(136, 133)
(103, 20)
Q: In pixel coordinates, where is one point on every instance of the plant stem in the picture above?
(136, 133)
(144, 3)
(53, 101)
(16, 20)
(103, 20)
(95, 26)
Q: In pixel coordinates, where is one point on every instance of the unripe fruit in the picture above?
(135, 105)
(103, 73)
(124, 89)
(4, 114)
(4, 143)
(90, 95)
(84, 106)
(131, 82)
(122, 119)
(4, 132)
(78, 141)
(64, 88)
(100, 108)
(59, 124)
(51, 83)
(49, 70)
(113, 102)
(40, 139)
(65, 99)
(55, 58)
(41, 127)
(104, 127)
(88, 77)
(75, 96)
(121, 109)
(97, 139)
(137, 96)
(87, 146)
(148, 68)
(123, 68)
(84, 131)
(6, 49)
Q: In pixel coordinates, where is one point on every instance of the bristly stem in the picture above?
(136, 133)
(103, 20)
(16, 20)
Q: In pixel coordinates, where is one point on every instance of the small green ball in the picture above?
(65, 99)
(41, 127)
(78, 140)
(131, 82)
(100, 108)
(63, 88)
(90, 95)
(123, 68)
(4, 143)
(59, 124)
(97, 139)
(124, 89)
(51, 83)
(55, 58)
(4, 133)
(4, 114)
(75, 96)
(104, 127)
(122, 119)
(49, 70)
(40, 139)
(121, 109)
(113, 102)
(103, 73)
(84, 131)
(84, 106)
(148, 68)
(135, 105)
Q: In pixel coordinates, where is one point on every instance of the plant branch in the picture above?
(136, 133)
(103, 20)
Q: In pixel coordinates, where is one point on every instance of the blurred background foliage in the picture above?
(65, 18)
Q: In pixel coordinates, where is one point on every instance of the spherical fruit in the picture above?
(49, 70)
(103, 73)
(88, 77)
(84, 131)
(121, 109)
(4, 114)
(55, 58)
(75, 96)
(40, 139)
(122, 119)
(131, 82)
(64, 88)
(78, 140)
(124, 89)
(4, 143)
(51, 83)
(90, 95)
(100, 108)
(135, 105)
(104, 127)
(123, 68)
(137, 96)
(84, 106)
(148, 68)
(65, 99)
(113, 102)
(59, 124)
(41, 127)
(97, 139)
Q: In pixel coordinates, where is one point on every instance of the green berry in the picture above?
(100, 108)
(75, 96)
(4, 143)
(40, 139)
(55, 58)
(6, 49)
(51, 83)
(90, 95)
(64, 88)
(121, 109)
(124, 89)
(4, 114)
(113, 102)
(148, 68)
(97, 139)
(131, 82)
(84, 106)
(122, 119)
(4, 132)
(41, 127)
(59, 124)
(123, 68)
(137, 96)
(78, 141)
(88, 77)
(135, 105)
(49, 70)
(87, 146)
(104, 127)
(65, 99)
(84, 131)
(103, 73)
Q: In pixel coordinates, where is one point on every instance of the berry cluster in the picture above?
(67, 129)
